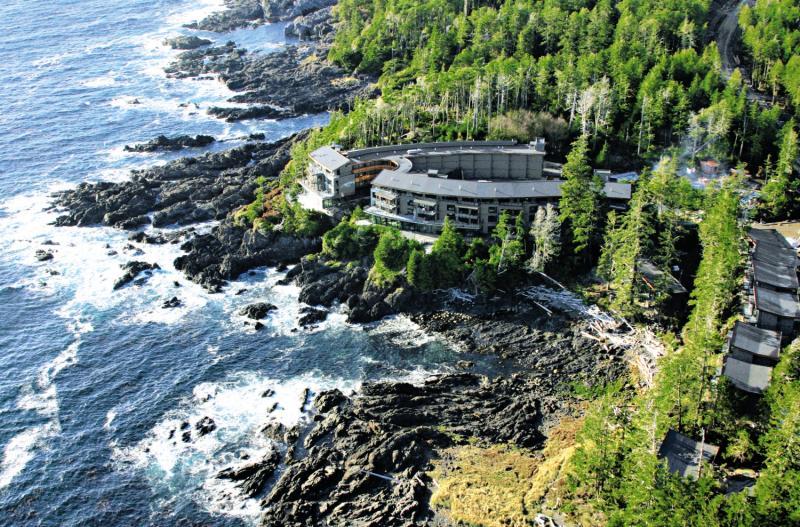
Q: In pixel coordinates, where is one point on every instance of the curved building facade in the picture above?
(417, 186)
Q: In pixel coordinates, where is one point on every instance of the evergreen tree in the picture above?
(581, 199)
(418, 271)
(779, 196)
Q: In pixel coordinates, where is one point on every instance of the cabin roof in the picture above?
(653, 274)
(769, 236)
(775, 254)
(777, 302)
(763, 342)
(776, 275)
(753, 378)
(683, 454)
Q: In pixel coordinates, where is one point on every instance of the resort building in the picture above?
(415, 187)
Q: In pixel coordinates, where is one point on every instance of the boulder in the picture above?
(258, 310)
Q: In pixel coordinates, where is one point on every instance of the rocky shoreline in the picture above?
(365, 457)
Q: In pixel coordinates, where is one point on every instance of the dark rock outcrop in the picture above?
(366, 458)
(311, 315)
(297, 79)
(43, 256)
(172, 303)
(317, 25)
(164, 143)
(229, 250)
(132, 270)
(181, 192)
(263, 111)
(185, 42)
(282, 10)
(204, 426)
(252, 477)
(239, 13)
(258, 310)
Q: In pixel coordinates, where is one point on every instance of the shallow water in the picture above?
(92, 381)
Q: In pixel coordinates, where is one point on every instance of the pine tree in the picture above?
(779, 195)
(581, 199)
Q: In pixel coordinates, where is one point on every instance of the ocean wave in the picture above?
(21, 449)
(240, 408)
(41, 397)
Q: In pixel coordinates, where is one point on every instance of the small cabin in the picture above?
(755, 345)
(684, 455)
(776, 310)
(749, 377)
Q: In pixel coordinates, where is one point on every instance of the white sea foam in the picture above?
(104, 81)
(21, 449)
(202, 9)
(110, 416)
(40, 396)
(240, 408)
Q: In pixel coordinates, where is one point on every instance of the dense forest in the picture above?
(610, 84)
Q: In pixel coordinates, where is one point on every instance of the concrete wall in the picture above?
(483, 165)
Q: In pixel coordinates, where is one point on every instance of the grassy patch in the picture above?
(502, 485)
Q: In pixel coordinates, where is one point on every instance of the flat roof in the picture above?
(447, 148)
(752, 378)
(329, 158)
(484, 189)
(777, 302)
(683, 454)
(763, 342)
(653, 274)
(776, 275)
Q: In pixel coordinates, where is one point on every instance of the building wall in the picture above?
(468, 214)
(483, 165)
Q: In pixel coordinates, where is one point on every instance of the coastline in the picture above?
(394, 429)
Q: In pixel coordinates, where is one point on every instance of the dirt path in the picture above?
(726, 22)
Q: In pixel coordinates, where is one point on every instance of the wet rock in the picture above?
(186, 42)
(258, 326)
(238, 13)
(164, 143)
(311, 315)
(43, 255)
(304, 399)
(186, 436)
(132, 270)
(171, 303)
(258, 310)
(204, 426)
(252, 477)
(232, 114)
(282, 10)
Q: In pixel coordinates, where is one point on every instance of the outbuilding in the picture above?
(684, 455)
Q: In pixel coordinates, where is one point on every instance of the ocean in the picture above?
(96, 384)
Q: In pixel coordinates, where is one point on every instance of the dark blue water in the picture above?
(92, 382)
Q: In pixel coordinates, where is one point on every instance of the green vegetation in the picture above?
(617, 477)
(650, 229)
(443, 267)
(581, 201)
(779, 197)
(772, 38)
(391, 255)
